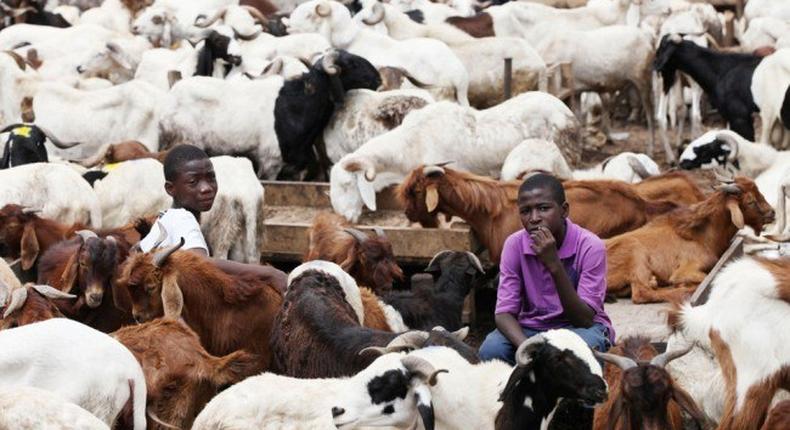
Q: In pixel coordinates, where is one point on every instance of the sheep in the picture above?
(29, 408)
(321, 294)
(489, 206)
(369, 260)
(479, 140)
(181, 377)
(772, 73)
(80, 364)
(25, 145)
(56, 190)
(400, 26)
(749, 295)
(29, 304)
(430, 61)
(392, 390)
(680, 248)
(643, 395)
(243, 308)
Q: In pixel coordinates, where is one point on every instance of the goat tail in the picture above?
(138, 399)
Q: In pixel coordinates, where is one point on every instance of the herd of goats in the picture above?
(450, 101)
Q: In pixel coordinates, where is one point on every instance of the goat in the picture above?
(442, 304)
(321, 294)
(112, 153)
(369, 260)
(772, 72)
(25, 235)
(643, 394)
(725, 77)
(181, 377)
(29, 304)
(34, 408)
(749, 295)
(489, 206)
(392, 391)
(228, 312)
(779, 417)
(25, 145)
(80, 364)
(8, 279)
(678, 249)
(379, 315)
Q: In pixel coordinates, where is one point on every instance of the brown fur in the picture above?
(374, 314)
(135, 6)
(779, 417)
(265, 6)
(129, 150)
(36, 308)
(228, 312)
(780, 270)
(480, 25)
(490, 206)
(678, 187)
(181, 377)
(392, 111)
(679, 248)
(371, 263)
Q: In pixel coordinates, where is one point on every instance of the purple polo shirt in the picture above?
(527, 290)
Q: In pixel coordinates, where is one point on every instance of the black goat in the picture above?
(25, 145)
(440, 305)
(33, 13)
(305, 105)
(725, 77)
(217, 46)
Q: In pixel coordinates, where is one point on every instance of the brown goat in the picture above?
(124, 151)
(490, 206)
(679, 248)
(368, 259)
(778, 417)
(29, 304)
(678, 187)
(180, 376)
(228, 312)
(372, 307)
(643, 395)
(480, 25)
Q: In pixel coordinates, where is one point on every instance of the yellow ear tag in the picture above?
(110, 167)
(23, 131)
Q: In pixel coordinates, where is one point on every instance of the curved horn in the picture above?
(408, 340)
(18, 298)
(526, 347)
(433, 169)
(729, 188)
(638, 167)
(274, 68)
(328, 63)
(55, 141)
(438, 254)
(323, 10)
(28, 211)
(85, 234)
(162, 235)
(379, 350)
(247, 37)
(624, 363)
(363, 164)
(52, 293)
(475, 262)
(422, 368)
(661, 360)
(723, 176)
(377, 15)
(217, 16)
(460, 334)
(161, 256)
(358, 235)
(18, 59)
(256, 14)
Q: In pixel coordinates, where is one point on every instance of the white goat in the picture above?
(117, 60)
(82, 365)
(429, 61)
(111, 14)
(771, 74)
(761, 8)
(626, 166)
(386, 18)
(765, 31)
(435, 12)
(29, 408)
(131, 190)
(56, 190)
(478, 141)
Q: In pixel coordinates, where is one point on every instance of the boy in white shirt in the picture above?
(190, 180)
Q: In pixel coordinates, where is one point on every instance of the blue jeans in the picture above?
(497, 346)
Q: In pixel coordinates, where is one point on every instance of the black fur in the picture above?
(416, 15)
(305, 105)
(715, 150)
(726, 78)
(43, 17)
(91, 176)
(785, 112)
(21, 150)
(388, 387)
(214, 47)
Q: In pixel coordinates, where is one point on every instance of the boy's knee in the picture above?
(496, 346)
(596, 337)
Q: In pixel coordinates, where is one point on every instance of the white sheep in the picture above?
(765, 31)
(29, 408)
(478, 141)
(56, 190)
(82, 365)
(429, 61)
(771, 75)
(386, 18)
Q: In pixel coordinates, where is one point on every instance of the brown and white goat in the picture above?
(642, 394)
(490, 206)
(28, 304)
(123, 151)
(779, 417)
(678, 249)
(180, 376)
(368, 259)
(228, 312)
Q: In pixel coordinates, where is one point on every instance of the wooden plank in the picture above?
(703, 290)
(316, 194)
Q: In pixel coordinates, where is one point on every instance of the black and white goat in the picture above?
(25, 145)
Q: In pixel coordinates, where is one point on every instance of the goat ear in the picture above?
(687, 404)
(29, 246)
(172, 297)
(735, 213)
(431, 198)
(366, 191)
(69, 276)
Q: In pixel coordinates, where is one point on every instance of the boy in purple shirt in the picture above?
(552, 275)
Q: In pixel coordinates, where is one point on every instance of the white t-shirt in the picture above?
(177, 223)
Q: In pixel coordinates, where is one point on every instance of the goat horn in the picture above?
(55, 141)
(28, 211)
(377, 15)
(204, 24)
(638, 167)
(52, 293)
(433, 169)
(328, 63)
(408, 340)
(323, 10)
(85, 234)
(526, 347)
(460, 334)
(256, 14)
(723, 176)
(661, 360)
(624, 363)
(475, 262)
(161, 256)
(247, 37)
(729, 188)
(18, 298)
(162, 235)
(438, 255)
(358, 235)
(422, 368)
(379, 350)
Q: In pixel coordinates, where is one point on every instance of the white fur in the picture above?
(761, 8)
(618, 168)
(349, 285)
(393, 317)
(764, 31)
(28, 408)
(770, 77)
(84, 366)
(131, 190)
(535, 154)
(399, 26)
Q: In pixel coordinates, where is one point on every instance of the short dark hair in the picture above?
(545, 181)
(180, 155)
